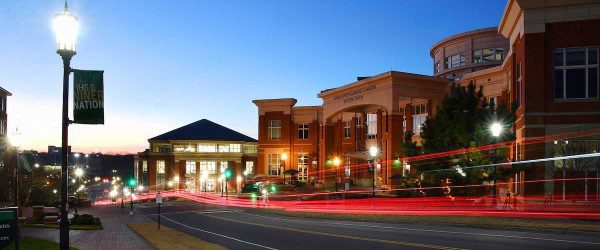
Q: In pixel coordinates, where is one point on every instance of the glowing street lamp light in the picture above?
(79, 172)
(496, 129)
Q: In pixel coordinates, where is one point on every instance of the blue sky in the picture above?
(169, 63)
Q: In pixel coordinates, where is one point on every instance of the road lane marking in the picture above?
(213, 233)
(201, 212)
(426, 230)
(401, 243)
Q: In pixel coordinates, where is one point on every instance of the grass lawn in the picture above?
(71, 227)
(478, 221)
(29, 243)
(168, 238)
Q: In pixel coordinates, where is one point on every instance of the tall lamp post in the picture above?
(373, 152)
(65, 27)
(15, 141)
(336, 164)
(496, 129)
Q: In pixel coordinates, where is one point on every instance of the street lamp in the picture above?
(65, 27)
(336, 164)
(15, 141)
(496, 130)
(78, 172)
(283, 159)
(373, 152)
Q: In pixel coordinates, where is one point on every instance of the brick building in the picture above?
(543, 57)
(195, 156)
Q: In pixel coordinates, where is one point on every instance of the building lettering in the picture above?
(358, 91)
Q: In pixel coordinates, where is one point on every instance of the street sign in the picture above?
(8, 227)
(159, 198)
(88, 97)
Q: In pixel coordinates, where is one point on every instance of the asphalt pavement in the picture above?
(237, 228)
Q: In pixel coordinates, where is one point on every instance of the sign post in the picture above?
(158, 201)
(9, 230)
(88, 97)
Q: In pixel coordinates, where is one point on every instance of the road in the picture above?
(237, 228)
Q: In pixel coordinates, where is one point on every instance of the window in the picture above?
(235, 148)
(576, 73)
(251, 149)
(249, 168)
(162, 148)
(2, 103)
(160, 175)
(519, 85)
(419, 116)
(207, 148)
(303, 167)
(303, 131)
(224, 148)
(436, 67)
(493, 101)
(183, 148)
(455, 61)
(359, 122)
(224, 165)
(488, 55)
(144, 167)
(190, 167)
(347, 127)
(274, 129)
(273, 162)
(2, 130)
(371, 126)
(208, 166)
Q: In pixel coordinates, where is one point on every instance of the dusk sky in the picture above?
(169, 63)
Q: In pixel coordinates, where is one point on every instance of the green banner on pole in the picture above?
(88, 97)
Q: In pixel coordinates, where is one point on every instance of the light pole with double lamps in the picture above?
(66, 27)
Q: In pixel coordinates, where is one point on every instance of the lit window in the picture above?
(347, 129)
(251, 149)
(224, 166)
(303, 131)
(235, 148)
(576, 73)
(303, 167)
(160, 175)
(371, 126)
(249, 168)
(145, 166)
(488, 55)
(274, 164)
(183, 148)
(419, 117)
(162, 148)
(274, 129)
(190, 167)
(207, 148)
(455, 61)
(223, 148)
(209, 167)
(436, 67)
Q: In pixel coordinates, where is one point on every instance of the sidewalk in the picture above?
(115, 235)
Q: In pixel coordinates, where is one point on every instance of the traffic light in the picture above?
(132, 182)
(228, 173)
(397, 163)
